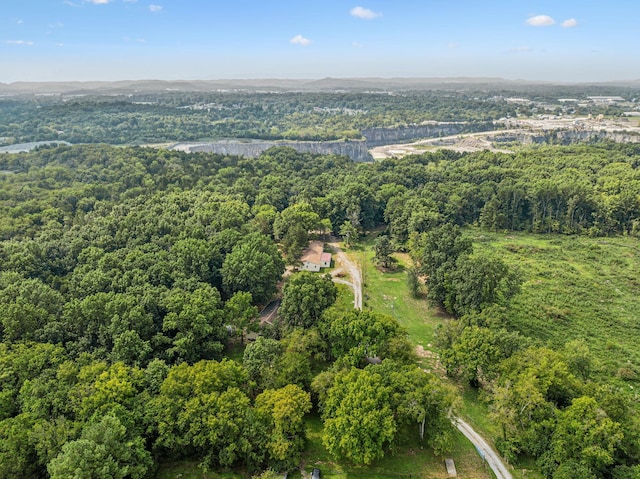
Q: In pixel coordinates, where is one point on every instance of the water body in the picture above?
(25, 147)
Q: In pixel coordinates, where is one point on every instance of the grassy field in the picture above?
(386, 291)
(576, 288)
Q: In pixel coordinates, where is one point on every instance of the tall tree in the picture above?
(586, 435)
(304, 297)
(435, 253)
(195, 324)
(359, 422)
(241, 313)
(479, 281)
(255, 266)
(382, 249)
(357, 335)
(349, 233)
(104, 451)
(283, 411)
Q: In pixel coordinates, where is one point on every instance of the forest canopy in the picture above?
(124, 271)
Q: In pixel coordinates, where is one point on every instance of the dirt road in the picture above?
(464, 142)
(344, 266)
(485, 451)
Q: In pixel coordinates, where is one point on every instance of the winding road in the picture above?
(345, 265)
(486, 452)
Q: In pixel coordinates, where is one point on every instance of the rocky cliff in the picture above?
(354, 149)
(389, 136)
(565, 137)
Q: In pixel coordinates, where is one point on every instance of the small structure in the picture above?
(314, 258)
(605, 100)
(451, 468)
(325, 260)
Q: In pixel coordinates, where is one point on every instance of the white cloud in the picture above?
(570, 23)
(540, 21)
(356, 45)
(155, 8)
(59, 44)
(19, 42)
(300, 40)
(364, 13)
(453, 45)
(130, 1)
(98, 2)
(20, 22)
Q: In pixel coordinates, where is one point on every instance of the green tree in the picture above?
(195, 324)
(477, 282)
(357, 335)
(472, 354)
(254, 266)
(359, 422)
(293, 226)
(413, 281)
(105, 450)
(263, 218)
(129, 348)
(240, 313)
(349, 233)
(18, 458)
(421, 399)
(532, 385)
(382, 249)
(435, 254)
(586, 435)
(283, 410)
(261, 360)
(196, 258)
(203, 409)
(304, 298)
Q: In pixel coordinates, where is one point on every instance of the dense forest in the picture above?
(170, 116)
(126, 273)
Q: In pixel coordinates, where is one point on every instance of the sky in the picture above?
(82, 40)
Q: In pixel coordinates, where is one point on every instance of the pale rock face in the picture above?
(389, 136)
(354, 149)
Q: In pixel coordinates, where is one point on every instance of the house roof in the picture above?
(313, 253)
(325, 257)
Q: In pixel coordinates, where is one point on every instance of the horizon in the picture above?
(169, 40)
(464, 80)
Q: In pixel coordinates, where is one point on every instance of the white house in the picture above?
(314, 258)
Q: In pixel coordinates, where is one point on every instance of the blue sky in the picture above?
(559, 40)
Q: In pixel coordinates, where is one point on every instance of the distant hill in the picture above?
(325, 84)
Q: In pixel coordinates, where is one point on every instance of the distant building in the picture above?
(522, 101)
(605, 100)
(314, 258)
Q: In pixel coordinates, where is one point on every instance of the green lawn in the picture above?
(344, 302)
(387, 292)
(409, 460)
